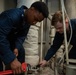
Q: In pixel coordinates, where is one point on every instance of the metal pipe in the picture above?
(64, 26)
(41, 47)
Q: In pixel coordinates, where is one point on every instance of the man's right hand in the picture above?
(43, 63)
(16, 67)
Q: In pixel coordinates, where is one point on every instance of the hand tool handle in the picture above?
(7, 72)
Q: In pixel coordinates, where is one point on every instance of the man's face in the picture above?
(34, 16)
(59, 27)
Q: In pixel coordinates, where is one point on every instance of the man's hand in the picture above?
(43, 63)
(16, 52)
(16, 67)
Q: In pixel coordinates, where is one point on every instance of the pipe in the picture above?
(65, 37)
(41, 47)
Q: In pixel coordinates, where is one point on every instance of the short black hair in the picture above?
(41, 7)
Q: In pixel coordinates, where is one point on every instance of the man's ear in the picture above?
(32, 8)
(66, 21)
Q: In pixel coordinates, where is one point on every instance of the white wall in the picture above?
(25, 2)
(1, 5)
(7, 4)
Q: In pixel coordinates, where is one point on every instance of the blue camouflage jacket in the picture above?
(58, 40)
(12, 28)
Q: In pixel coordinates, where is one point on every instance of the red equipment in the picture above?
(7, 72)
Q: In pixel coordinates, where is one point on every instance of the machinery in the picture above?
(26, 68)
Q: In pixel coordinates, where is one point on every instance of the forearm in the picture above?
(56, 44)
(6, 53)
(7, 56)
(49, 54)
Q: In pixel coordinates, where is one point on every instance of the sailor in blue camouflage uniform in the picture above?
(14, 26)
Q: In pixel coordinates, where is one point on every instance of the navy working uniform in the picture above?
(58, 40)
(13, 30)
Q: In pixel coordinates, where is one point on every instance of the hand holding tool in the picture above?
(7, 72)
